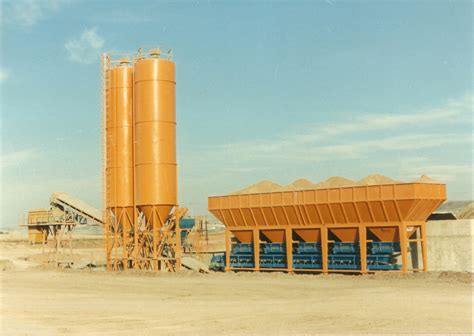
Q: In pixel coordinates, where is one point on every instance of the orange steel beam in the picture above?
(305, 211)
(333, 218)
(124, 238)
(285, 214)
(324, 248)
(136, 264)
(371, 213)
(227, 249)
(107, 247)
(424, 251)
(265, 220)
(232, 216)
(275, 216)
(320, 216)
(289, 249)
(253, 217)
(155, 221)
(256, 248)
(243, 217)
(403, 246)
(330, 226)
(178, 249)
(181, 212)
(418, 232)
(363, 248)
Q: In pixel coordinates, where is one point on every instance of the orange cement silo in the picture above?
(155, 138)
(119, 153)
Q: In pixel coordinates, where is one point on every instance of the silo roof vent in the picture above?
(155, 52)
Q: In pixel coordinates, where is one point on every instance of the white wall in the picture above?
(450, 245)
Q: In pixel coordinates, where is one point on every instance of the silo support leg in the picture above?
(156, 241)
(135, 239)
(124, 238)
(177, 245)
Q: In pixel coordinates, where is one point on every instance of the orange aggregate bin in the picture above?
(403, 202)
(385, 213)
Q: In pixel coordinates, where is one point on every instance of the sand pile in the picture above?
(300, 184)
(332, 182)
(375, 179)
(260, 187)
(461, 209)
(425, 179)
(467, 212)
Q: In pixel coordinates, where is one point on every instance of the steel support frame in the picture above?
(118, 227)
(61, 239)
(143, 243)
(404, 238)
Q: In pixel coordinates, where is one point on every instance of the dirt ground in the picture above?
(40, 300)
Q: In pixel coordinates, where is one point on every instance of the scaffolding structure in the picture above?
(54, 233)
(145, 246)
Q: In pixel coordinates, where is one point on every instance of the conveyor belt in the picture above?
(81, 212)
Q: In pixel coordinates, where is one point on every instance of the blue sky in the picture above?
(265, 90)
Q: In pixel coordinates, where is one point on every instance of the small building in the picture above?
(37, 222)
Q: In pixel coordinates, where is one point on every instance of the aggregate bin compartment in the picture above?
(357, 215)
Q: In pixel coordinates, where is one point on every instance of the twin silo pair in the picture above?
(140, 151)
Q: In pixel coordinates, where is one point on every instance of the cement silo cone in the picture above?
(119, 135)
(155, 139)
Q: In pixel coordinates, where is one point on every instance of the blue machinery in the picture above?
(186, 225)
(308, 256)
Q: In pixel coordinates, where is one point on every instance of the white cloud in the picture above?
(402, 145)
(395, 143)
(385, 140)
(311, 141)
(85, 49)
(440, 172)
(17, 158)
(3, 75)
(26, 13)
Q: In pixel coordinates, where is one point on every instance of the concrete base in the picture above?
(450, 245)
(194, 264)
